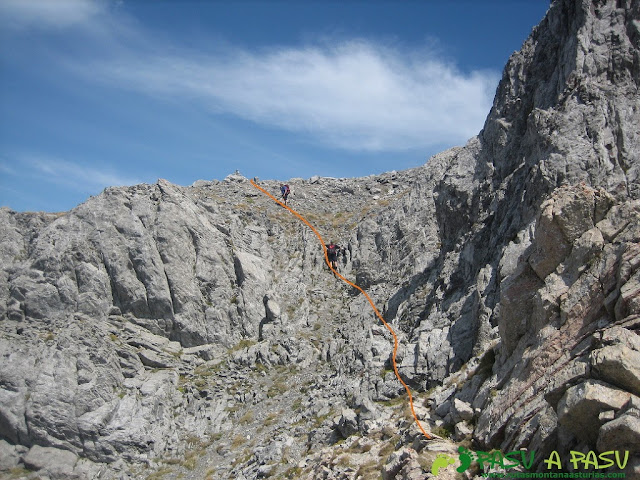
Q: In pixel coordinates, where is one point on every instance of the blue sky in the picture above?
(96, 93)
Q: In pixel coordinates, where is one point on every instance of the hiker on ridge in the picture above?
(285, 191)
(333, 251)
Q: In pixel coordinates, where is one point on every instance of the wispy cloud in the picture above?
(6, 169)
(353, 95)
(49, 14)
(74, 175)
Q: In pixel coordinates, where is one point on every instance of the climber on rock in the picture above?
(285, 191)
(333, 250)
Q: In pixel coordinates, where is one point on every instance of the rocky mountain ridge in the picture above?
(160, 331)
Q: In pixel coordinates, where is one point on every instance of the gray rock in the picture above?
(629, 303)
(462, 411)
(619, 365)
(58, 464)
(132, 328)
(551, 244)
(395, 463)
(462, 430)
(200, 183)
(272, 309)
(623, 433)
(9, 458)
(153, 359)
(348, 423)
(580, 408)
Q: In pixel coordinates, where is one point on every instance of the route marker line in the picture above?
(375, 310)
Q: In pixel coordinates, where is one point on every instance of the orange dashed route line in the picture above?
(375, 310)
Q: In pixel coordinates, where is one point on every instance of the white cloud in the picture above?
(6, 169)
(81, 178)
(354, 95)
(48, 14)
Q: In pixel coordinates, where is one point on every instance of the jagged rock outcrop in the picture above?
(195, 330)
(549, 381)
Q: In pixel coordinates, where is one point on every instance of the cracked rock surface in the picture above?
(162, 331)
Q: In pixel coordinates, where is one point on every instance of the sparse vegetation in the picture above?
(443, 431)
(279, 386)
(175, 354)
(389, 447)
(210, 473)
(244, 458)
(271, 419)
(246, 418)
(426, 458)
(17, 472)
(160, 474)
(344, 460)
(49, 336)
(385, 371)
(242, 344)
(370, 470)
(319, 420)
(238, 441)
(400, 400)
(293, 472)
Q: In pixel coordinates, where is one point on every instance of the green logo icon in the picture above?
(441, 461)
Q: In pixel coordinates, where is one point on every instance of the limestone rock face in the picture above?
(196, 331)
(565, 363)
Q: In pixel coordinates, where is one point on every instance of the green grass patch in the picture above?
(278, 387)
(246, 418)
(443, 431)
(160, 474)
(293, 472)
(389, 447)
(271, 419)
(370, 470)
(242, 344)
(400, 400)
(238, 441)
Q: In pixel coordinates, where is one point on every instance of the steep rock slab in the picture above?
(564, 339)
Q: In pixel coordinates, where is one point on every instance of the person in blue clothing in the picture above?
(285, 191)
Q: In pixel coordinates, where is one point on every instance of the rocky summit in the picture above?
(169, 332)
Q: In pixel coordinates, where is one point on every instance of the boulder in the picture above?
(9, 458)
(618, 365)
(462, 411)
(580, 407)
(58, 464)
(272, 309)
(623, 433)
(348, 423)
(550, 246)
